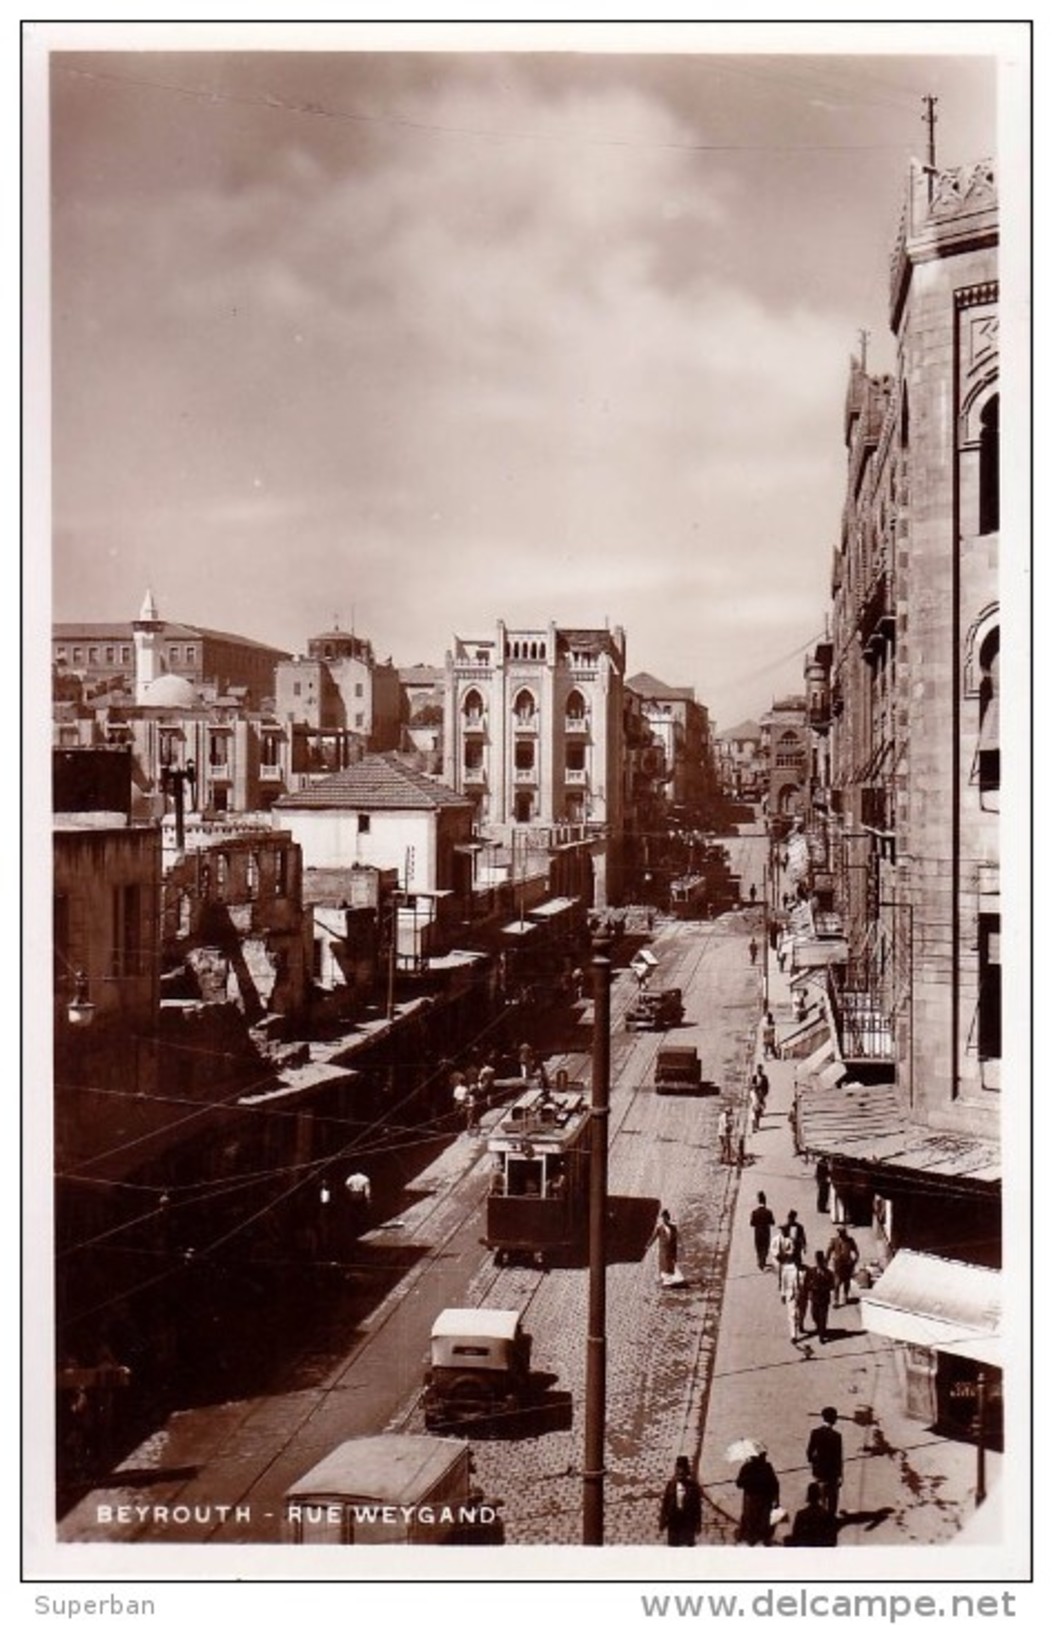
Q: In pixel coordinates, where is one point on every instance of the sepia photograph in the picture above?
(513, 579)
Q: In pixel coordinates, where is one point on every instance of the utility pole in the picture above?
(864, 335)
(981, 1440)
(596, 1350)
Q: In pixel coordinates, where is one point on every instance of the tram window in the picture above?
(524, 1178)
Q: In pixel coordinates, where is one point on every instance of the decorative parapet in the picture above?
(942, 207)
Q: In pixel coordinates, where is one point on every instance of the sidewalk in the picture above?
(903, 1483)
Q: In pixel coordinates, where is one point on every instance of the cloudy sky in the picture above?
(415, 340)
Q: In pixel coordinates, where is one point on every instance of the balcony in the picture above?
(876, 621)
(576, 775)
(473, 775)
(524, 722)
(576, 725)
(525, 775)
(474, 722)
(271, 772)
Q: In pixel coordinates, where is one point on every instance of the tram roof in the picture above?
(539, 1116)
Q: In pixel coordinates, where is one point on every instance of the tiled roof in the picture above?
(376, 783)
(653, 688)
(66, 631)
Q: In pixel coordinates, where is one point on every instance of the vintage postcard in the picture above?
(514, 577)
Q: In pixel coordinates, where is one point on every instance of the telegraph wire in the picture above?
(312, 109)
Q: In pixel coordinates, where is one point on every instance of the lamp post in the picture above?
(173, 783)
(596, 1348)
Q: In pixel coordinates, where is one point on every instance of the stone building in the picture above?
(680, 725)
(908, 792)
(533, 736)
(904, 796)
(339, 701)
(133, 654)
(785, 750)
(741, 766)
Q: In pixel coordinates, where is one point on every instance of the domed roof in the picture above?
(170, 690)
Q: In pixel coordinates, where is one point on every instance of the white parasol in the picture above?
(745, 1449)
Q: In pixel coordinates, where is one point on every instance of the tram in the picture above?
(537, 1205)
(688, 896)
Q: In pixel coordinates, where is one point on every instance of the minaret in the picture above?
(148, 632)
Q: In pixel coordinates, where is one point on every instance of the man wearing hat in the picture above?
(681, 1514)
(826, 1457)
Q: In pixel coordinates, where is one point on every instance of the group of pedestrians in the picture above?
(471, 1088)
(805, 1286)
(761, 1515)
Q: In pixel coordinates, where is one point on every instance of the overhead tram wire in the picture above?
(309, 109)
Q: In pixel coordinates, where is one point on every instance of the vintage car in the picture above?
(392, 1489)
(477, 1368)
(655, 1010)
(678, 1070)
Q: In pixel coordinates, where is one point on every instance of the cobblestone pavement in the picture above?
(659, 1340)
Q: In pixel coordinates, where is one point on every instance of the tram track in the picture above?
(448, 1227)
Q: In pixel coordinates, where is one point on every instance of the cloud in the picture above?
(491, 352)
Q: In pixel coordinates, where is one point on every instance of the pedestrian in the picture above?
(825, 1455)
(822, 1186)
(471, 1112)
(577, 980)
(789, 1283)
(820, 1292)
(793, 1121)
(782, 1247)
(487, 1078)
(753, 950)
(753, 899)
(813, 1525)
(761, 1084)
(680, 1518)
(771, 1048)
(668, 1238)
(842, 1256)
(802, 1301)
(797, 1235)
(724, 1127)
(762, 1222)
(760, 1497)
(756, 1106)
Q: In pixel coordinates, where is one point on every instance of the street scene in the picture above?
(525, 1043)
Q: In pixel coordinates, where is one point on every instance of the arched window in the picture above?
(988, 755)
(576, 709)
(472, 708)
(524, 706)
(989, 453)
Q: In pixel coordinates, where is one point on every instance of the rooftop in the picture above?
(377, 783)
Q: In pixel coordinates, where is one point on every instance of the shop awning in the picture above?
(818, 1058)
(938, 1303)
(867, 1123)
(553, 907)
(519, 928)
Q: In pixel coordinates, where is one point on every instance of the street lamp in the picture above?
(80, 1012)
